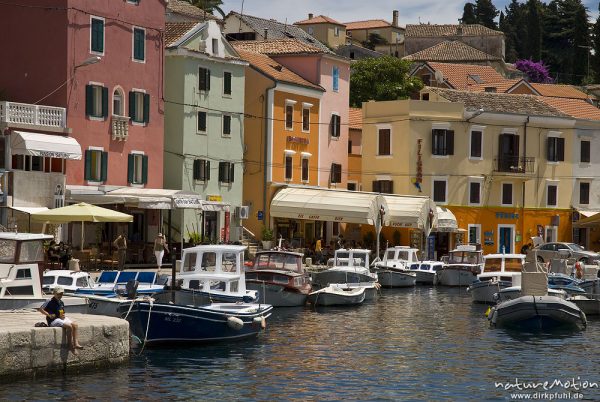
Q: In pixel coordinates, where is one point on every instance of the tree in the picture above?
(469, 16)
(210, 6)
(534, 30)
(380, 79)
(486, 13)
(374, 40)
(535, 71)
(595, 43)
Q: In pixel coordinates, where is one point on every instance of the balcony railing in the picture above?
(514, 164)
(35, 115)
(120, 127)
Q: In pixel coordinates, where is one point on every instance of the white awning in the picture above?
(215, 206)
(408, 211)
(29, 210)
(592, 221)
(158, 198)
(446, 221)
(587, 214)
(326, 205)
(53, 146)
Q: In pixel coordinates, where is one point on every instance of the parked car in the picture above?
(556, 250)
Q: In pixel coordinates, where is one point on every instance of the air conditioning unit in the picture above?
(243, 212)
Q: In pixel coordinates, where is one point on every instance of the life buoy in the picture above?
(578, 270)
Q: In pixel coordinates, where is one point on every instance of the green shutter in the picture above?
(104, 166)
(104, 102)
(132, 106)
(231, 172)
(196, 169)
(88, 165)
(207, 171)
(221, 172)
(130, 163)
(207, 79)
(146, 108)
(101, 36)
(89, 100)
(145, 169)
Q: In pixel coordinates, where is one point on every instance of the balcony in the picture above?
(24, 115)
(119, 127)
(520, 165)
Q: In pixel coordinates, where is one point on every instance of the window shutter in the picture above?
(104, 102)
(130, 163)
(433, 148)
(376, 187)
(89, 100)
(585, 151)
(231, 172)
(449, 142)
(207, 79)
(132, 106)
(560, 151)
(145, 169)
(88, 165)
(332, 126)
(196, 169)
(227, 83)
(221, 174)
(206, 170)
(338, 123)
(146, 108)
(100, 35)
(104, 166)
(550, 149)
(336, 77)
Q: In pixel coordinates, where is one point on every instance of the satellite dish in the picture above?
(439, 77)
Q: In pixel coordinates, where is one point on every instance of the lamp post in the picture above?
(88, 61)
(378, 227)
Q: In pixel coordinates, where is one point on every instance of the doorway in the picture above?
(506, 238)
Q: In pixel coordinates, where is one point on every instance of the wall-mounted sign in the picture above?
(214, 198)
(260, 215)
(506, 215)
(297, 140)
(488, 238)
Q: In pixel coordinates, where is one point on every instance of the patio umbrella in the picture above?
(81, 212)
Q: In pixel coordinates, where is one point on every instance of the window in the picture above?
(349, 147)
(201, 170)
(336, 173)
(584, 193)
(226, 172)
(426, 78)
(383, 186)
(476, 144)
(96, 165)
(203, 79)
(556, 149)
(288, 167)
(439, 191)
(139, 44)
(226, 124)
(334, 126)
(351, 186)
(475, 193)
(507, 194)
(442, 142)
(202, 122)
(585, 152)
(336, 78)
(551, 195)
(137, 168)
(139, 107)
(336, 31)
(384, 142)
(304, 169)
(226, 83)
(96, 101)
(305, 119)
(289, 116)
(311, 30)
(215, 46)
(475, 233)
(118, 108)
(97, 35)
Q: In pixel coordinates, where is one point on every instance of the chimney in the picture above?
(266, 33)
(395, 18)
(310, 16)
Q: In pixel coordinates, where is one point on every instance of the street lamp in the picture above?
(88, 61)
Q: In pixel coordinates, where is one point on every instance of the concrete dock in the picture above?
(26, 350)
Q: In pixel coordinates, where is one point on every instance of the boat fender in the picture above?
(259, 321)
(235, 323)
(487, 312)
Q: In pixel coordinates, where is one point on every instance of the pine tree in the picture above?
(595, 42)
(515, 31)
(533, 46)
(469, 16)
(486, 13)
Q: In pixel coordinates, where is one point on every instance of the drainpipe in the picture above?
(268, 95)
(523, 240)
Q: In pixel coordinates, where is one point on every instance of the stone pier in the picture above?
(26, 350)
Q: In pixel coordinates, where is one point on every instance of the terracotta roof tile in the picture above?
(463, 76)
(367, 24)
(432, 30)
(188, 10)
(355, 119)
(320, 19)
(577, 108)
(175, 30)
(559, 91)
(276, 46)
(273, 69)
(500, 103)
(451, 51)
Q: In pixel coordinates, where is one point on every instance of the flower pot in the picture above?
(267, 244)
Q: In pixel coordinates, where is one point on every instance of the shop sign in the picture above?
(188, 203)
(506, 215)
(400, 225)
(488, 238)
(317, 217)
(260, 215)
(217, 198)
(297, 140)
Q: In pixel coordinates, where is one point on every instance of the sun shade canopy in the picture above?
(52, 146)
(81, 212)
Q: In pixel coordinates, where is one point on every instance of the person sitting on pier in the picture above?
(54, 310)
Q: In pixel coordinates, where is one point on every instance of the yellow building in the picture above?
(355, 150)
(502, 164)
(326, 30)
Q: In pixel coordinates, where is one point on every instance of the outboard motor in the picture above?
(131, 288)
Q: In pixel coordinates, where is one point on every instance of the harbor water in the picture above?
(417, 344)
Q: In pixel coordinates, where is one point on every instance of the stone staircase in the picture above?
(249, 240)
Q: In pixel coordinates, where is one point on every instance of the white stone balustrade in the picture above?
(120, 127)
(35, 115)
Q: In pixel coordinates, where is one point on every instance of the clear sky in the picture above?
(411, 11)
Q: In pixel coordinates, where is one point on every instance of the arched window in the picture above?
(118, 106)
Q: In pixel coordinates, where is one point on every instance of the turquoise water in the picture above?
(412, 344)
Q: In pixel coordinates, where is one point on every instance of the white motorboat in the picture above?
(464, 264)
(394, 271)
(499, 270)
(337, 294)
(426, 271)
(372, 289)
(68, 279)
(112, 283)
(348, 266)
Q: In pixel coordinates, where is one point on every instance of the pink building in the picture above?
(102, 61)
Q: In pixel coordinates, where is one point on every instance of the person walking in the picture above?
(54, 310)
(160, 246)
(121, 244)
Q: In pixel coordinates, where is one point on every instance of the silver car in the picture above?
(574, 252)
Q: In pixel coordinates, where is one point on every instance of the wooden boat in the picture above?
(500, 271)
(347, 266)
(394, 271)
(337, 295)
(465, 262)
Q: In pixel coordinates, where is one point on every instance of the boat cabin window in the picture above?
(513, 265)
(146, 277)
(280, 279)
(48, 280)
(414, 266)
(390, 254)
(82, 282)
(108, 277)
(194, 284)
(437, 267)
(262, 262)
(228, 262)
(24, 273)
(31, 251)
(7, 251)
(189, 262)
(19, 291)
(209, 261)
(65, 281)
(233, 286)
(425, 267)
(404, 255)
(493, 264)
(464, 257)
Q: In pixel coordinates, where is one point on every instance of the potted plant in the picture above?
(267, 238)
